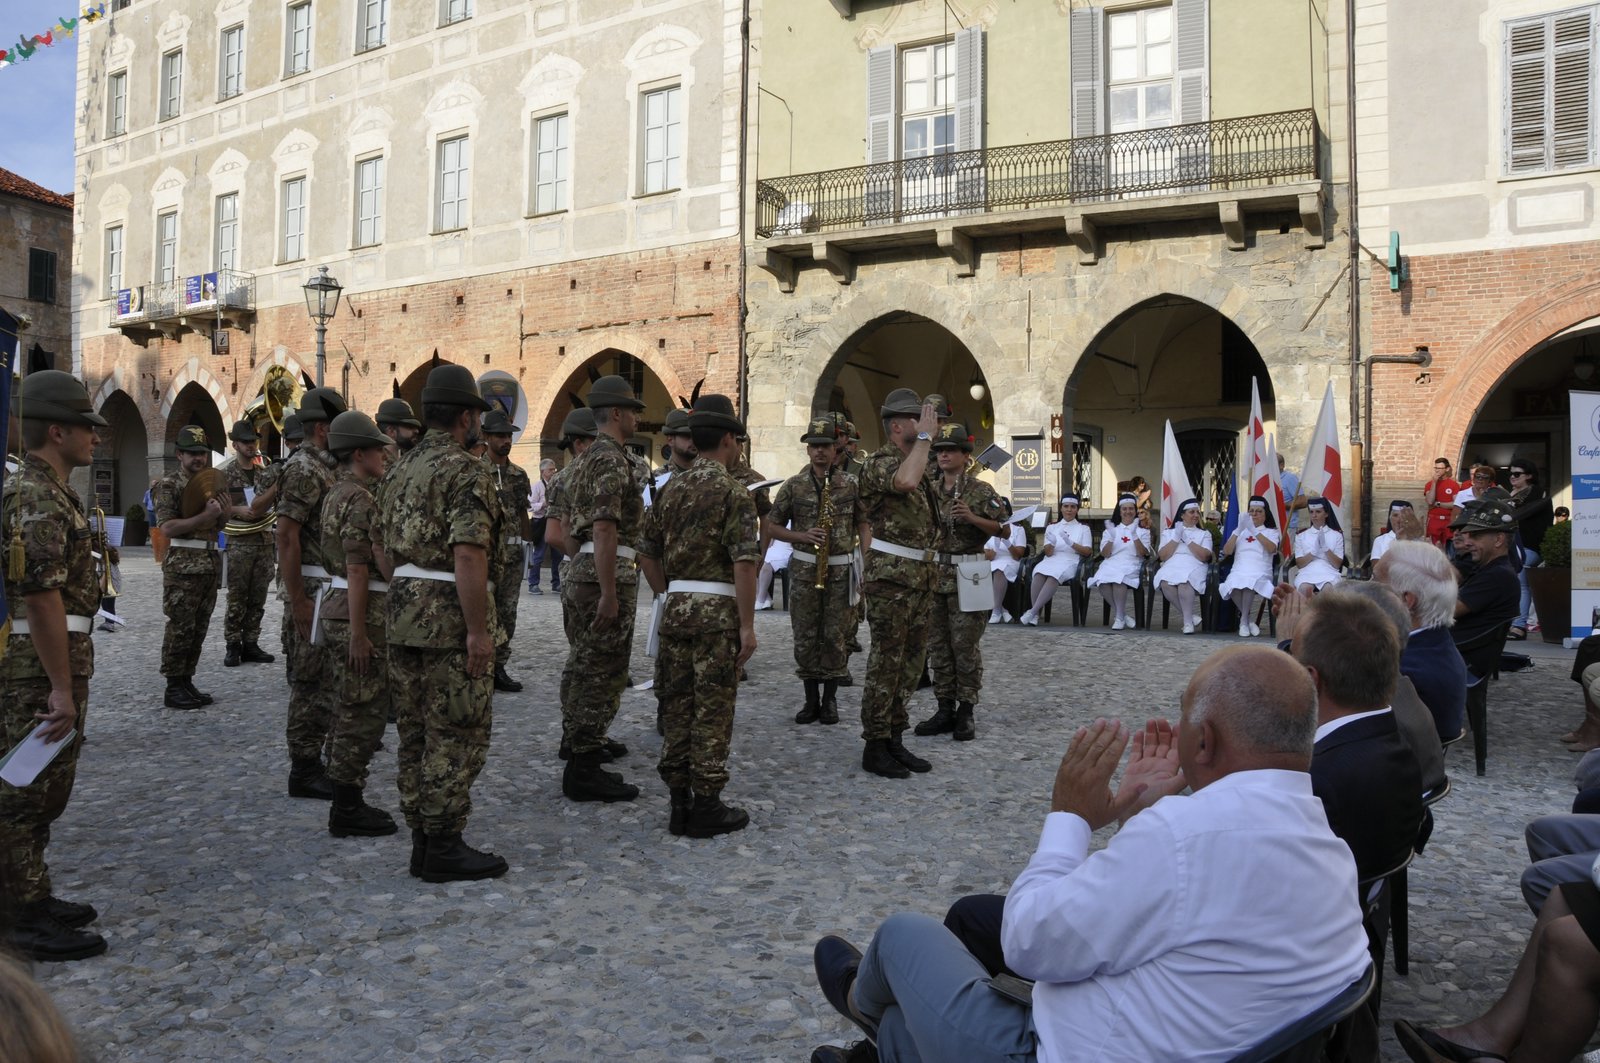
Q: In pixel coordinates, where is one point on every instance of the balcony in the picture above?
(1223, 169)
(224, 299)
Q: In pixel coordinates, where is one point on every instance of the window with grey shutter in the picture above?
(1549, 114)
(1191, 27)
(880, 181)
(1086, 164)
(970, 135)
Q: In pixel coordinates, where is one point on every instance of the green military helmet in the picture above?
(952, 436)
(453, 385)
(397, 411)
(192, 438)
(902, 402)
(715, 411)
(612, 391)
(677, 423)
(320, 404)
(57, 398)
(820, 431)
(352, 430)
(496, 423)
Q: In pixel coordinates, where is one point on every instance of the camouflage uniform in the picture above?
(513, 485)
(898, 592)
(741, 471)
(189, 579)
(702, 523)
(953, 650)
(349, 533)
(252, 562)
(555, 494)
(58, 542)
(821, 620)
(306, 477)
(436, 497)
(601, 485)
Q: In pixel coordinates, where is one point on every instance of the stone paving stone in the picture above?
(239, 928)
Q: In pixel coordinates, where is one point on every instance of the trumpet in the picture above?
(103, 544)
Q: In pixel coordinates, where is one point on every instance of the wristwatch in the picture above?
(925, 437)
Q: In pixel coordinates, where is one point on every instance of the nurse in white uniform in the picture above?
(1124, 546)
(1185, 555)
(1252, 546)
(1066, 543)
(1319, 550)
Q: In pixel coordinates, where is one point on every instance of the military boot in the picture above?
(254, 654)
(178, 696)
(830, 702)
(682, 800)
(38, 933)
(585, 781)
(232, 658)
(351, 816)
(306, 779)
(900, 753)
(963, 730)
(205, 699)
(449, 859)
(503, 681)
(710, 817)
(877, 759)
(813, 707)
(419, 849)
(941, 722)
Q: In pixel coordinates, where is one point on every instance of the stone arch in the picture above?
(195, 404)
(124, 450)
(551, 397)
(195, 373)
(279, 356)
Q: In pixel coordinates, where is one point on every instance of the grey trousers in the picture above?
(1563, 849)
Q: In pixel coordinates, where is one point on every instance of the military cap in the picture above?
(820, 431)
(243, 432)
(715, 411)
(580, 422)
(941, 406)
(192, 438)
(952, 436)
(677, 423)
(850, 431)
(292, 428)
(613, 391)
(397, 411)
(57, 398)
(320, 404)
(496, 423)
(453, 385)
(353, 429)
(902, 402)
(1485, 514)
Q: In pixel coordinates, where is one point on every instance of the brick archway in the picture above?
(551, 398)
(194, 373)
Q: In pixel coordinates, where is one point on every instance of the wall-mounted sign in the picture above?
(501, 389)
(1027, 470)
(130, 301)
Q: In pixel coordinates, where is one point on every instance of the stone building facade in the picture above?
(36, 269)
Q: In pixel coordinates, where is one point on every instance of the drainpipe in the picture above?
(744, 142)
(1359, 462)
(1421, 357)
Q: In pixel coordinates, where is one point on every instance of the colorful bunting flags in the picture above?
(64, 27)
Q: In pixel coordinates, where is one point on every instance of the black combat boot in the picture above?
(449, 859)
(503, 681)
(877, 759)
(830, 702)
(36, 932)
(585, 781)
(941, 722)
(254, 654)
(71, 913)
(419, 849)
(900, 753)
(963, 730)
(609, 750)
(351, 816)
(205, 699)
(813, 707)
(682, 799)
(178, 696)
(232, 658)
(710, 817)
(306, 779)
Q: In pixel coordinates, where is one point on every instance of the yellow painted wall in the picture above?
(1262, 56)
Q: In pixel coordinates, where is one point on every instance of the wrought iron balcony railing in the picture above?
(222, 292)
(1201, 157)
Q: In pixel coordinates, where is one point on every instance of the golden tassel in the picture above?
(16, 557)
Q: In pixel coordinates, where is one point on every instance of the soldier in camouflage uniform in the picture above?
(192, 570)
(511, 480)
(701, 550)
(252, 557)
(439, 521)
(44, 676)
(603, 511)
(970, 512)
(901, 573)
(293, 439)
(306, 477)
(851, 463)
(820, 619)
(397, 421)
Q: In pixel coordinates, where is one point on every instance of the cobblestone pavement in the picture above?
(240, 929)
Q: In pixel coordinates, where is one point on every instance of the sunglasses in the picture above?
(1518, 472)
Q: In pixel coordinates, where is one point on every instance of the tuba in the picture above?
(279, 394)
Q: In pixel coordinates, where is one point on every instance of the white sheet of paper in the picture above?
(31, 756)
(249, 496)
(1021, 516)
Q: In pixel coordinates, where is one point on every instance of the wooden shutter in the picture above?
(1191, 50)
(1088, 71)
(880, 105)
(1572, 90)
(1549, 94)
(969, 88)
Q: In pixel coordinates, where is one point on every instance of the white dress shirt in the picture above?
(1207, 923)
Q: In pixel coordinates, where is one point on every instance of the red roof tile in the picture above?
(12, 184)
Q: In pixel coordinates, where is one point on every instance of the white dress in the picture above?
(1318, 573)
(1001, 545)
(1252, 561)
(779, 553)
(1183, 566)
(1062, 565)
(1381, 544)
(1124, 565)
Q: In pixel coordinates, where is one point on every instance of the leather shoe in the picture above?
(710, 817)
(810, 713)
(859, 1052)
(71, 913)
(503, 681)
(1422, 1044)
(254, 654)
(179, 697)
(836, 962)
(941, 722)
(38, 934)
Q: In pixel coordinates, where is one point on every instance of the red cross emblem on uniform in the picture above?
(1249, 538)
(1126, 539)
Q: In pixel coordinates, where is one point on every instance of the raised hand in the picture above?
(1083, 781)
(1153, 770)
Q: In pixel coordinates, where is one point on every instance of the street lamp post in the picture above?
(322, 302)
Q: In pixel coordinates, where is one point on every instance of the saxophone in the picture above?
(825, 523)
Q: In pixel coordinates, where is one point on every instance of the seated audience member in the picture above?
(1586, 735)
(1425, 581)
(1004, 553)
(1488, 594)
(1560, 515)
(1185, 554)
(1209, 920)
(1066, 543)
(1403, 525)
(1124, 545)
(1562, 849)
(1319, 550)
(1253, 545)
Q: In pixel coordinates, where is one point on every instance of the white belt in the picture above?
(376, 586)
(622, 551)
(957, 559)
(700, 586)
(77, 625)
(194, 544)
(834, 561)
(417, 572)
(513, 540)
(906, 552)
(315, 572)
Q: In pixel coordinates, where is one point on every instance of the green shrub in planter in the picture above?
(1556, 550)
(134, 530)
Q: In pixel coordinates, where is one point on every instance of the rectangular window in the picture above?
(453, 11)
(113, 260)
(369, 202)
(41, 275)
(1549, 113)
(1139, 69)
(167, 247)
(297, 40)
(550, 160)
(228, 231)
(171, 84)
(117, 104)
(662, 126)
(372, 24)
(453, 180)
(230, 66)
(294, 220)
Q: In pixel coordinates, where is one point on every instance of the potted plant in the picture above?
(1550, 583)
(133, 526)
